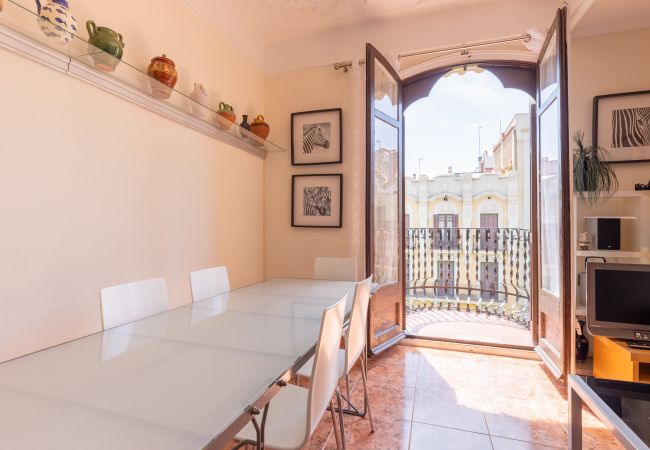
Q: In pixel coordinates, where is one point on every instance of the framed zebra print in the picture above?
(622, 125)
(316, 137)
(317, 200)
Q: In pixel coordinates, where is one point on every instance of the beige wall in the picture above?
(606, 65)
(291, 251)
(96, 191)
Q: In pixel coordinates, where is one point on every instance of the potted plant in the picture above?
(593, 176)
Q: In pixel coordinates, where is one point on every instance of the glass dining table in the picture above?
(187, 378)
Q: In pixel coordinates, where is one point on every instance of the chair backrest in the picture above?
(125, 303)
(209, 282)
(325, 370)
(338, 269)
(355, 334)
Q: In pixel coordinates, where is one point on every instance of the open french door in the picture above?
(384, 200)
(552, 202)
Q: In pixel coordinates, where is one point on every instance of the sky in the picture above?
(442, 128)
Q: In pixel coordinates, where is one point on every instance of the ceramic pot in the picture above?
(227, 112)
(163, 72)
(56, 20)
(109, 42)
(200, 98)
(245, 125)
(582, 344)
(260, 128)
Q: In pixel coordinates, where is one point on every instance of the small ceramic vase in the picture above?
(163, 72)
(582, 343)
(260, 128)
(227, 112)
(105, 45)
(245, 125)
(56, 20)
(584, 242)
(200, 98)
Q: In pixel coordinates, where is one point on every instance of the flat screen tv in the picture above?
(618, 300)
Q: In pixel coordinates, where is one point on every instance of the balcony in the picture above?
(469, 284)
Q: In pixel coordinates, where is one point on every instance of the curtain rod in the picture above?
(345, 65)
(526, 37)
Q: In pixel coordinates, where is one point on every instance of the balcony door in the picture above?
(553, 257)
(385, 201)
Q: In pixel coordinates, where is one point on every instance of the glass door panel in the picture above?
(386, 210)
(553, 227)
(385, 205)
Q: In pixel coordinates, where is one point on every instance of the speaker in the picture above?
(605, 232)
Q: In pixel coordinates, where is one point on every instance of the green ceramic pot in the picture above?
(109, 41)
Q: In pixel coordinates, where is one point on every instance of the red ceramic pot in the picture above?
(163, 72)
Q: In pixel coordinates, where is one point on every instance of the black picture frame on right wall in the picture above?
(621, 125)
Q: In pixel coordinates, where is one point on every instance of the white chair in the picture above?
(355, 347)
(337, 269)
(294, 413)
(209, 282)
(128, 302)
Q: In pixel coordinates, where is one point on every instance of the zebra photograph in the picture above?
(631, 127)
(317, 200)
(316, 137)
(622, 125)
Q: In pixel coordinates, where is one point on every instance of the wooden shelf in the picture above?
(20, 32)
(608, 253)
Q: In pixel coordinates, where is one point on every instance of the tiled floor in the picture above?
(440, 399)
(467, 326)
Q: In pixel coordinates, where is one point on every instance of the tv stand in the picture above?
(615, 360)
(643, 345)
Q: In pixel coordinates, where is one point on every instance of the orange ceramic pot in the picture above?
(163, 72)
(260, 128)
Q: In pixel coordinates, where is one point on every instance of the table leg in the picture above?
(575, 420)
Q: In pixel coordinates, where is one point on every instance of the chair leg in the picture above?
(337, 436)
(338, 403)
(366, 397)
(347, 387)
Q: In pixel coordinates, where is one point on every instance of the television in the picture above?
(618, 300)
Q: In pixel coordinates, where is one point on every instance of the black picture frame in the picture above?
(598, 102)
(297, 157)
(295, 181)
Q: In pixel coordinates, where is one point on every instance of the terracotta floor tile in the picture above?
(530, 428)
(429, 408)
(387, 402)
(428, 437)
(511, 444)
(438, 399)
(388, 435)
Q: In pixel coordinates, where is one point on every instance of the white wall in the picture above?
(96, 191)
(608, 64)
(290, 251)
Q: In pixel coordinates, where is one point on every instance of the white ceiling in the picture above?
(611, 16)
(254, 25)
(284, 20)
(275, 33)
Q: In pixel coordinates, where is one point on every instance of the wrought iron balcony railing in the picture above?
(481, 269)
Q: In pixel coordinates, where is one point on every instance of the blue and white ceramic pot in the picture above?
(56, 20)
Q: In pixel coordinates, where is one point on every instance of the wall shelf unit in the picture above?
(20, 32)
(633, 208)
